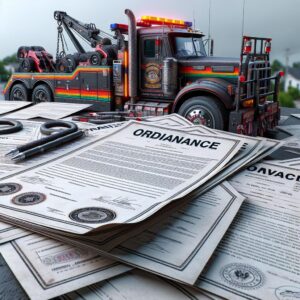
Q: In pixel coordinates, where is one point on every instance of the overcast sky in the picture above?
(31, 22)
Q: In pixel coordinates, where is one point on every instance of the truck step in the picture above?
(147, 108)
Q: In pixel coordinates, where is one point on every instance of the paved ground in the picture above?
(10, 289)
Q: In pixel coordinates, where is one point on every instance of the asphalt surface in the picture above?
(10, 288)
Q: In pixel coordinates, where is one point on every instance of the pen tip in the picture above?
(12, 152)
(17, 157)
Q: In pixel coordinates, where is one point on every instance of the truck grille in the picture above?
(258, 81)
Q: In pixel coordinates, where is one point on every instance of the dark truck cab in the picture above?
(162, 67)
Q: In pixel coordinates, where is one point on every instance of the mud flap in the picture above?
(241, 122)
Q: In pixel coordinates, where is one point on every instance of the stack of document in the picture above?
(150, 195)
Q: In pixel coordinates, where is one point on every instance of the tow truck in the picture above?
(153, 66)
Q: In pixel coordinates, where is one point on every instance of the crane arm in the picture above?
(87, 31)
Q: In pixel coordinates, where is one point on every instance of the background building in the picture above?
(292, 79)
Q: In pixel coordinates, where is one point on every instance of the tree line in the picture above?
(4, 74)
(286, 98)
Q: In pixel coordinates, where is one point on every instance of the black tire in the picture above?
(95, 59)
(42, 93)
(204, 110)
(27, 65)
(71, 62)
(66, 64)
(18, 93)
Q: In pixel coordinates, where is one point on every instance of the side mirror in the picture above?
(211, 47)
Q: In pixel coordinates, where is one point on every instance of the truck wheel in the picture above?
(204, 110)
(42, 93)
(95, 59)
(66, 64)
(18, 93)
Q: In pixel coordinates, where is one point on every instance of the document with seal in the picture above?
(31, 132)
(46, 268)
(175, 245)
(9, 106)
(259, 256)
(136, 285)
(179, 246)
(122, 178)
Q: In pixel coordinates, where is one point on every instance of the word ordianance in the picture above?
(176, 139)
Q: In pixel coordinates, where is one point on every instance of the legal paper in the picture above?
(48, 110)
(122, 178)
(30, 132)
(178, 247)
(259, 255)
(136, 285)
(9, 106)
(46, 268)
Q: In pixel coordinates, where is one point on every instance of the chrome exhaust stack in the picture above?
(132, 55)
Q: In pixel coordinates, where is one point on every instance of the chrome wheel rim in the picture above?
(201, 116)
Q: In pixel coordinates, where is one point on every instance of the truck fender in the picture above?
(204, 87)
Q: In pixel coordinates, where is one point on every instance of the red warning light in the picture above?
(247, 46)
(268, 47)
(242, 78)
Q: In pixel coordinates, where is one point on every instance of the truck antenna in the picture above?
(243, 20)
(194, 21)
(209, 25)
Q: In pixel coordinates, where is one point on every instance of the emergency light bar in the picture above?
(165, 21)
(122, 27)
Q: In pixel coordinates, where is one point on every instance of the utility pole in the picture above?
(287, 58)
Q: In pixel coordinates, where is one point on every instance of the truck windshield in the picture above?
(189, 47)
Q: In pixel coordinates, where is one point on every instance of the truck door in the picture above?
(67, 88)
(89, 85)
(151, 62)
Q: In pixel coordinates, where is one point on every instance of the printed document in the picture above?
(259, 256)
(46, 268)
(122, 178)
(136, 285)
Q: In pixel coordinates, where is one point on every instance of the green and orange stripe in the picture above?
(192, 73)
(99, 95)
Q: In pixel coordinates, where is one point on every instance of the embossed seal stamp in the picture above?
(9, 188)
(242, 276)
(92, 215)
(287, 293)
(31, 198)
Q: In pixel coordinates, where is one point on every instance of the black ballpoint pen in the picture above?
(40, 142)
(48, 146)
